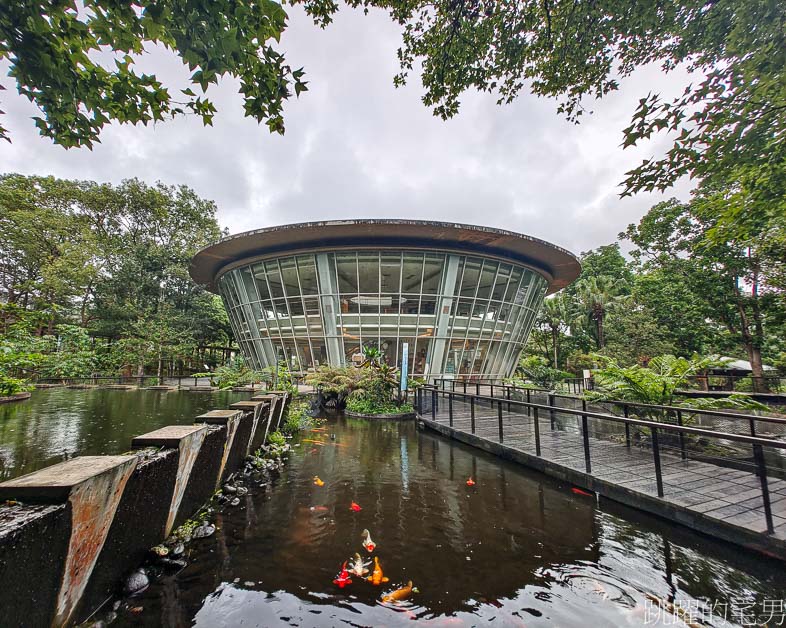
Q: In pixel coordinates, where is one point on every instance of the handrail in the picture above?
(757, 442)
(636, 404)
(669, 427)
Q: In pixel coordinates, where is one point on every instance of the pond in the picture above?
(515, 549)
(59, 423)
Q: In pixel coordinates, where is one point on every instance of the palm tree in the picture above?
(598, 294)
(557, 315)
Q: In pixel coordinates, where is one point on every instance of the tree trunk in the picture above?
(554, 337)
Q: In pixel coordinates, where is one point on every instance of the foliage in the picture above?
(730, 278)
(654, 384)
(52, 52)
(276, 439)
(236, 373)
(335, 383)
(74, 356)
(112, 260)
(298, 417)
(362, 404)
(537, 370)
(281, 377)
(13, 385)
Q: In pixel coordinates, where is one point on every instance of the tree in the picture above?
(52, 49)
(634, 335)
(598, 294)
(726, 274)
(556, 316)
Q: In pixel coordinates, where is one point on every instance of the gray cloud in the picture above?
(355, 146)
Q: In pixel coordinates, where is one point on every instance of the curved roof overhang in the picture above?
(558, 266)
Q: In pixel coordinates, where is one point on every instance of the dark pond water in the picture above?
(516, 549)
(59, 423)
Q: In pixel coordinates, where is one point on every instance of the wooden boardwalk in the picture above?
(715, 499)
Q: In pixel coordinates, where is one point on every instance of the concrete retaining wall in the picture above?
(70, 532)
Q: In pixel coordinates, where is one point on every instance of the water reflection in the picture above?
(56, 424)
(516, 549)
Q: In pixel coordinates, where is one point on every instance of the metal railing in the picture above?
(721, 420)
(619, 436)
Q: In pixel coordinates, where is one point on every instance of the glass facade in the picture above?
(462, 316)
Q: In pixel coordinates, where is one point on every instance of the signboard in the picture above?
(404, 365)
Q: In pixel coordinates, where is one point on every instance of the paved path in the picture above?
(709, 494)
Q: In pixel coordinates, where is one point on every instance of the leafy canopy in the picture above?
(76, 60)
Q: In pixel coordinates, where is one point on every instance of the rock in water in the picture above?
(136, 582)
(235, 502)
(178, 549)
(203, 531)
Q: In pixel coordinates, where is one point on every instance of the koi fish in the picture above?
(316, 442)
(470, 481)
(343, 579)
(579, 491)
(400, 594)
(359, 568)
(314, 450)
(377, 577)
(317, 481)
(355, 507)
(367, 542)
(319, 509)
(319, 429)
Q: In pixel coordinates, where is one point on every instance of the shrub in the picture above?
(12, 385)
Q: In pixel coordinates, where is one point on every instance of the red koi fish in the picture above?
(355, 507)
(367, 542)
(578, 491)
(343, 579)
(470, 481)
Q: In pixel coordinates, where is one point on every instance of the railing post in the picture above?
(761, 471)
(585, 437)
(537, 432)
(625, 411)
(753, 426)
(499, 417)
(529, 400)
(477, 388)
(656, 455)
(450, 410)
(472, 413)
(552, 414)
(492, 389)
(465, 386)
(682, 435)
(507, 393)
(434, 404)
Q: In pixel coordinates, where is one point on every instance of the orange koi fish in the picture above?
(317, 481)
(316, 442)
(400, 594)
(367, 542)
(579, 491)
(343, 579)
(355, 507)
(470, 481)
(377, 577)
(359, 568)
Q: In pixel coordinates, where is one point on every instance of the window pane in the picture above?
(432, 273)
(391, 273)
(308, 274)
(469, 283)
(274, 279)
(368, 270)
(346, 266)
(486, 280)
(289, 276)
(413, 272)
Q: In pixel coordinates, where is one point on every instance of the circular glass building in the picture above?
(463, 298)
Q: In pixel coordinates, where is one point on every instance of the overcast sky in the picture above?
(357, 147)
